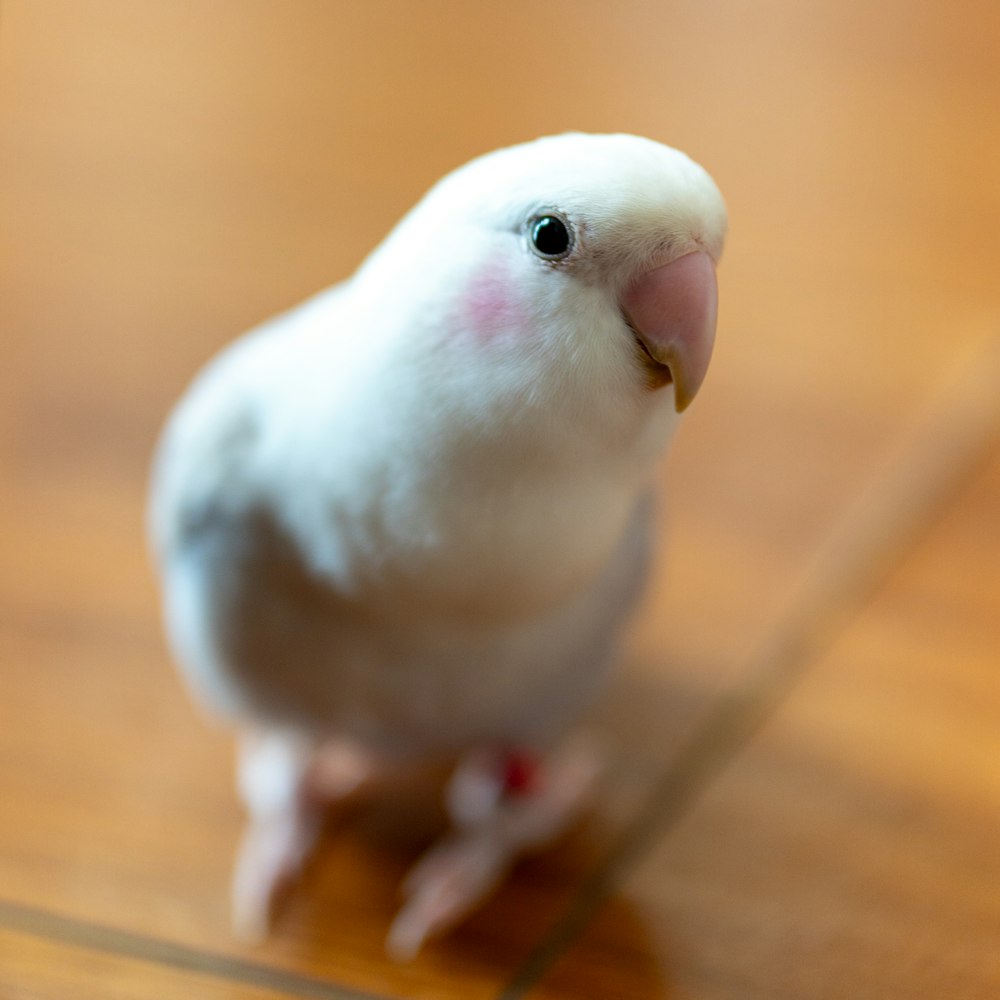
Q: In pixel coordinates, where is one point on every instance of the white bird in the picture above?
(408, 519)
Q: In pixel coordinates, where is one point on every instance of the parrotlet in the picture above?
(407, 520)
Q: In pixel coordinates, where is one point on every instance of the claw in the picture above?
(286, 784)
(270, 857)
(450, 881)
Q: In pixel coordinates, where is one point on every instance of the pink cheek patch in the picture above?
(491, 308)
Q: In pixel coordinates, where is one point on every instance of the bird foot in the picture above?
(286, 785)
(503, 805)
(271, 856)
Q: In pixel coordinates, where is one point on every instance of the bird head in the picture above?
(576, 266)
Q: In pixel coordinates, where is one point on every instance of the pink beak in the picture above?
(672, 310)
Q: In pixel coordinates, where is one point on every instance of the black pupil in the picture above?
(550, 236)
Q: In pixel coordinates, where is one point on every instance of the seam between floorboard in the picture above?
(51, 926)
(952, 434)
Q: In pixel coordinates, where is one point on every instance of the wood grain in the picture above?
(849, 845)
(171, 173)
(852, 848)
(37, 967)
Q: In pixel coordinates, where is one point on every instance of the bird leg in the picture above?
(286, 783)
(502, 805)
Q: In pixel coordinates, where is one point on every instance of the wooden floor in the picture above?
(805, 797)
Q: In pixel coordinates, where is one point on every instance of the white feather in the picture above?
(415, 509)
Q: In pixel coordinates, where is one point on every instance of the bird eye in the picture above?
(550, 237)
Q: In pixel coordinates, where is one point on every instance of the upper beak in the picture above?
(672, 310)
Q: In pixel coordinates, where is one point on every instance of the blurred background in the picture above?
(173, 172)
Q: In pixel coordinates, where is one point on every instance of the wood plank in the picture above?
(37, 967)
(851, 849)
(119, 812)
